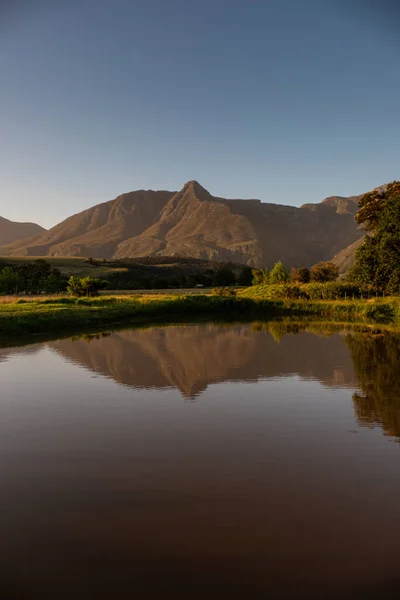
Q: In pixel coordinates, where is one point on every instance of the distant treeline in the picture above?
(141, 277)
(30, 277)
(131, 274)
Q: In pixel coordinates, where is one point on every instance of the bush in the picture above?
(324, 272)
(223, 291)
(301, 275)
(310, 291)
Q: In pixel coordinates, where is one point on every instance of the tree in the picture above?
(301, 275)
(372, 204)
(10, 282)
(324, 271)
(245, 276)
(376, 362)
(278, 274)
(258, 277)
(377, 262)
(85, 286)
(266, 276)
(53, 283)
(224, 276)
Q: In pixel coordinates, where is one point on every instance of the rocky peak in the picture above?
(194, 188)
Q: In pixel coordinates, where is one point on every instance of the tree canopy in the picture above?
(324, 271)
(301, 275)
(372, 204)
(85, 286)
(278, 274)
(31, 276)
(377, 261)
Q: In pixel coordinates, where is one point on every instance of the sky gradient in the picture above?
(280, 100)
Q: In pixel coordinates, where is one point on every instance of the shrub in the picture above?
(309, 291)
(301, 275)
(324, 272)
(223, 291)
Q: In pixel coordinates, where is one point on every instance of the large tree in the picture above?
(378, 258)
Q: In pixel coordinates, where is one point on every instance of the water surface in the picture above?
(201, 461)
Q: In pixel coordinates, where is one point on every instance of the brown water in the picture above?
(201, 461)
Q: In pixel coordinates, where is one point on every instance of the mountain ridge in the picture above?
(12, 231)
(194, 223)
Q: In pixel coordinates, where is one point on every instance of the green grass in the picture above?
(25, 317)
(378, 310)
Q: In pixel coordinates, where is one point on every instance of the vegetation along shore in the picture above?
(64, 314)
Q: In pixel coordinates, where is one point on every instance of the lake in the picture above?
(201, 461)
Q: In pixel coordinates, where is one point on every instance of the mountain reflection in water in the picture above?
(191, 358)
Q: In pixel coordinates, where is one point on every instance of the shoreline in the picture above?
(34, 319)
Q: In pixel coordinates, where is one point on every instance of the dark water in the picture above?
(204, 461)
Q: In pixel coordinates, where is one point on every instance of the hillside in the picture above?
(346, 258)
(193, 223)
(11, 231)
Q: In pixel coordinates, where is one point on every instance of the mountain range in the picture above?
(193, 223)
(11, 231)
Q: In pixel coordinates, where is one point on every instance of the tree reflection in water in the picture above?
(376, 361)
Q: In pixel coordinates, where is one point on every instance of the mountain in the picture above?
(347, 257)
(11, 231)
(194, 223)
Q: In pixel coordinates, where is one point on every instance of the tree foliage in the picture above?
(258, 277)
(278, 274)
(225, 276)
(85, 286)
(30, 277)
(245, 276)
(301, 275)
(373, 204)
(376, 362)
(323, 272)
(10, 282)
(377, 263)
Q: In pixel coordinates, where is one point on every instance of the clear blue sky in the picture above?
(288, 101)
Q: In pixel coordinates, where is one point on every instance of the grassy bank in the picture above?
(41, 316)
(362, 308)
(58, 315)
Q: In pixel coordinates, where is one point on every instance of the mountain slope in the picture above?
(194, 223)
(347, 257)
(11, 231)
(96, 231)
